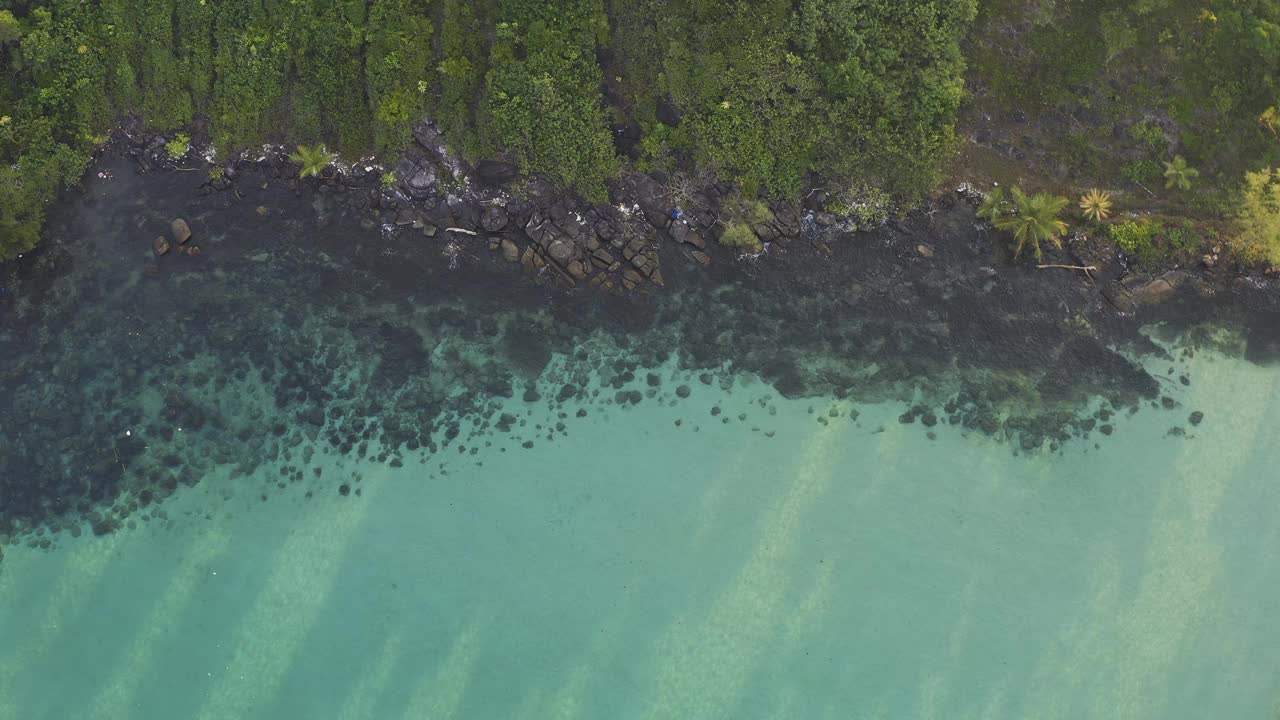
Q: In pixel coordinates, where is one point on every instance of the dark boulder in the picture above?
(416, 173)
(496, 172)
(494, 219)
(668, 114)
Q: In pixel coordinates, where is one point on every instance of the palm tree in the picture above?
(313, 160)
(1036, 221)
(992, 205)
(1096, 205)
(1177, 174)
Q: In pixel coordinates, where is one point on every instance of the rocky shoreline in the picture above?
(616, 245)
(382, 324)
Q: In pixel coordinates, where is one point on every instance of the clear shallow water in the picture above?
(829, 571)
(730, 554)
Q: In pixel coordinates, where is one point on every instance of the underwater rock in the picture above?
(510, 251)
(160, 246)
(181, 230)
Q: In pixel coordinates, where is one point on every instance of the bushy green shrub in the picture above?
(1143, 171)
(1259, 217)
(1148, 133)
(1137, 239)
(739, 235)
(178, 147)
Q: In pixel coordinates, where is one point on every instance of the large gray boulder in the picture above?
(416, 174)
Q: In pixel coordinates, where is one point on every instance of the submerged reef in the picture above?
(303, 327)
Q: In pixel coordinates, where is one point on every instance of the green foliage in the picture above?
(216, 172)
(1095, 205)
(388, 180)
(1142, 171)
(1035, 221)
(1148, 133)
(1153, 245)
(1118, 34)
(739, 215)
(541, 106)
(1177, 174)
(178, 146)
(1259, 217)
(861, 94)
(992, 206)
(738, 235)
(865, 205)
(313, 160)
(1205, 73)
(1136, 239)
(398, 57)
(9, 28)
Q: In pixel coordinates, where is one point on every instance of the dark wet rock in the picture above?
(494, 219)
(495, 172)
(429, 137)
(416, 173)
(668, 114)
(1120, 298)
(561, 251)
(1146, 292)
(681, 232)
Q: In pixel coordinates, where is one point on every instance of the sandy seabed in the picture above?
(766, 566)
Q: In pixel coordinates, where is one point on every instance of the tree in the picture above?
(313, 160)
(1035, 221)
(992, 206)
(1096, 205)
(1177, 174)
(1259, 216)
(1270, 119)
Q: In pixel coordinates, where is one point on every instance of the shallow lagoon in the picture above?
(854, 569)
(731, 553)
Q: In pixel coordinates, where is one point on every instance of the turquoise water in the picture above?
(829, 571)
(706, 548)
